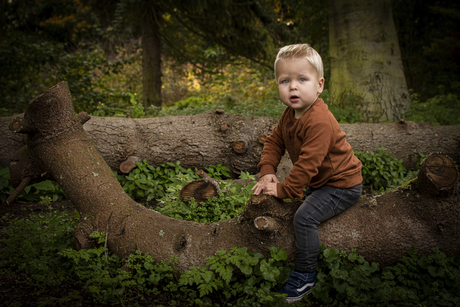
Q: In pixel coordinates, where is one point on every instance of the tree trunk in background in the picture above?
(151, 54)
(382, 229)
(366, 67)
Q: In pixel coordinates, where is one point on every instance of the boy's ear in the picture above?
(321, 85)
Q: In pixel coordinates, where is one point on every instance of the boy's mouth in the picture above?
(294, 98)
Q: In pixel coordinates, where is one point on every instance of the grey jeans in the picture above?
(319, 205)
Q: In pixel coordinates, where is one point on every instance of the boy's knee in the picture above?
(302, 219)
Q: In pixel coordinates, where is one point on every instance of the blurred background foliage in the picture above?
(207, 63)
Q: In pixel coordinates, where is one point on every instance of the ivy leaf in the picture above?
(331, 254)
(278, 253)
(268, 272)
(148, 266)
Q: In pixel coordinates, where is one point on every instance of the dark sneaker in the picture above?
(298, 285)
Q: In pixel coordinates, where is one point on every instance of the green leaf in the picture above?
(278, 253)
(331, 254)
(148, 266)
(225, 272)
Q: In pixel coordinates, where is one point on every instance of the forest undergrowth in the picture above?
(39, 265)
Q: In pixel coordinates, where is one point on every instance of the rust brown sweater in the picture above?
(318, 149)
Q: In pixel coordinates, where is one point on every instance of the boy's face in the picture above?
(298, 84)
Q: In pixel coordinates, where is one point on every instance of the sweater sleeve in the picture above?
(319, 139)
(273, 151)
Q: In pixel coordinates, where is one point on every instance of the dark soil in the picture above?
(22, 209)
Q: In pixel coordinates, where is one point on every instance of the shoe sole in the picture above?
(291, 300)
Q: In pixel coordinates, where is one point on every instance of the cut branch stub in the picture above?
(258, 199)
(239, 147)
(200, 190)
(223, 128)
(265, 223)
(437, 174)
(202, 174)
(129, 164)
(261, 138)
(19, 125)
(83, 117)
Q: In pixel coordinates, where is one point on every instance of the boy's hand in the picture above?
(270, 189)
(268, 184)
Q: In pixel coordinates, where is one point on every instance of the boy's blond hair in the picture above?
(299, 51)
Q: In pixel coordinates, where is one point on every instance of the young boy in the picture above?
(323, 160)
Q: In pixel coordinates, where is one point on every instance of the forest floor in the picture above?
(15, 292)
(22, 209)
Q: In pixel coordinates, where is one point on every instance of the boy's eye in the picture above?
(285, 81)
(303, 79)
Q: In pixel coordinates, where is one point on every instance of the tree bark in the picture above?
(198, 141)
(151, 54)
(382, 229)
(366, 67)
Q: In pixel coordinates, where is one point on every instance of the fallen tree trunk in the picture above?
(200, 140)
(382, 229)
(196, 141)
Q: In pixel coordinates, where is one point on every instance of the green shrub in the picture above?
(381, 170)
(443, 109)
(38, 254)
(149, 182)
(30, 66)
(230, 201)
(349, 280)
(44, 191)
(348, 115)
(270, 107)
(27, 70)
(136, 111)
(190, 102)
(164, 182)
(32, 245)
(239, 274)
(41, 248)
(5, 184)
